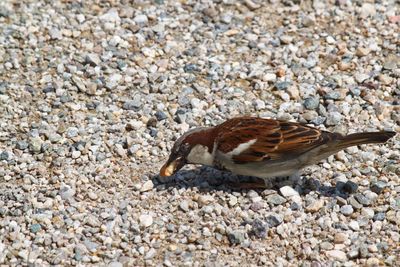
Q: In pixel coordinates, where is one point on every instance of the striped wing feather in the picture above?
(274, 139)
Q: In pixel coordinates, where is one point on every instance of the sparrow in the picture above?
(263, 148)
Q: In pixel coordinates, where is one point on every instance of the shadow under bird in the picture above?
(263, 148)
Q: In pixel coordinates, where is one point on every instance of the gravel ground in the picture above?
(93, 93)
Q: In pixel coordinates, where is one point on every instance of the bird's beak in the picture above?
(172, 166)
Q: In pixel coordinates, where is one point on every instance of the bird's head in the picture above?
(191, 147)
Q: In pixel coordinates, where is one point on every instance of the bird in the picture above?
(260, 147)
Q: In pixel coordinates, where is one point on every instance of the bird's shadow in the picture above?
(207, 179)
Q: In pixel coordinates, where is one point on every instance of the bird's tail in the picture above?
(364, 138)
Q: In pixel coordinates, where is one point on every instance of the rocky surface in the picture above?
(93, 93)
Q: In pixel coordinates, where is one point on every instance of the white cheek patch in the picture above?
(200, 155)
(242, 147)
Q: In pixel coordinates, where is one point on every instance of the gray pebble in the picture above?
(311, 103)
(346, 210)
(275, 199)
(236, 237)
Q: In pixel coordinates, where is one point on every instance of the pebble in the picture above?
(145, 220)
(147, 186)
(288, 191)
(275, 199)
(315, 206)
(336, 255)
(340, 238)
(113, 80)
(378, 187)
(66, 192)
(346, 210)
(184, 205)
(361, 77)
(36, 227)
(92, 59)
(311, 103)
(236, 237)
(354, 226)
(259, 229)
(274, 220)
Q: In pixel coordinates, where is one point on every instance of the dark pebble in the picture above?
(160, 115)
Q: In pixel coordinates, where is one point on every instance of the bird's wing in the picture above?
(249, 139)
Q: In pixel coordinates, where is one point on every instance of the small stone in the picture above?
(373, 262)
(315, 206)
(368, 212)
(311, 103)
(36, 227)
(132, 105)
(391, 62)
(350, 187)
(236, 237)
(380, 216)
(72, 132)
(362, 51)
(326, 246)
(275, 199)
(55, 34)
(378, 187)
(150, 254)
(145, 220)
(340, 238)
(353, 254)
(367, 10)
(274, 220)
(190, 68)
(232, 201)
(282, 85)
(333, 118)
(288, 191)
(4, 155)
(354, 226)
(354, 203)
(93, 195)
(373, 248)
(115, 264)
(286, 39)
(363, 199)
(184, 205)
(66, 192)
(251, 5)
(269, 77)
(160, 115)
(113, 80)
(336, 255)
(92, 59)
(385, 79)
(346, 210)
(258, 228)
(111, 16)
(361, 77)
(79, 83)
(147, 186)
(35, 144)
(330, 40)
(22, 145)
(141, 19)
(205, 199)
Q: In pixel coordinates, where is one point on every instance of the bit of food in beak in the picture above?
(172, 166)
(168, 169)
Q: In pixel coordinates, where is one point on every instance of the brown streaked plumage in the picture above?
(261, 147)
